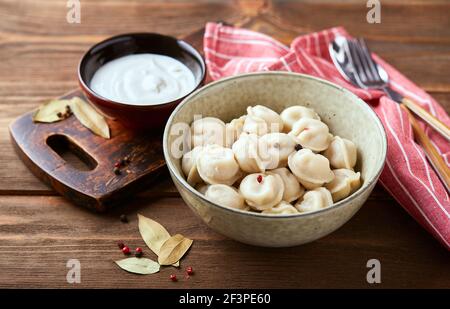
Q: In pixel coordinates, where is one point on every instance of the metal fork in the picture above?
(369, 75)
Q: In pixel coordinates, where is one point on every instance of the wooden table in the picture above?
(40, 231)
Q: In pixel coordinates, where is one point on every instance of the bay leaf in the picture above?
(89, 117)
(174, 249)
(153, 234)
(142, 266)
(49, 112)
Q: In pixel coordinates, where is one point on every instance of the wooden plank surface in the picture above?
(39, 237)
(40, 231)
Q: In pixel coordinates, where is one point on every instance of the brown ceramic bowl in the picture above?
(137, 116)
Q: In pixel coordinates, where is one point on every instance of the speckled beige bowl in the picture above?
(345, 114)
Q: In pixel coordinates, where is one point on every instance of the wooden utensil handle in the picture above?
(435, 123)
(434, 157)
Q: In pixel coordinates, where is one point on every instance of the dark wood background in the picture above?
(40, 231)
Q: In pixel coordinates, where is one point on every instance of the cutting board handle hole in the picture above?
(70, 152)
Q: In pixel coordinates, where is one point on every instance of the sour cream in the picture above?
(143, 79)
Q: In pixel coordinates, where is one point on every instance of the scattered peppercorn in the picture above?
(126, 250)
(259, 178)
(68, 110)
(59, 114)
(124, 218)
(138, 252)
(298, 147)
(173, 278)
(189, 271)
(120, 164)
(120, 245)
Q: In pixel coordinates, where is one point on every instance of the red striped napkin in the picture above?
(407, 175)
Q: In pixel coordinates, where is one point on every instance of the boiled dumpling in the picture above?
(208, 131)
(233, 130)
(226, 196)
(246, 152)
(217, 165)
(262, 191)
(275, 149)
(294, 113)
(353, 177)
(271, 118)
(189, 166)
(292, 189)
(311, 133)
(283, 208)
(344, 183)
(255, 125)
(316, 199)
(341, 153)
(311, 169)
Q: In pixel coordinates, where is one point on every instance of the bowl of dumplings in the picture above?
(274, 159)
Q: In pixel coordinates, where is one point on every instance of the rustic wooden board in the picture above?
(40, 52)
(94, 184)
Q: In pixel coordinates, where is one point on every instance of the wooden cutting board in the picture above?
(80, 165)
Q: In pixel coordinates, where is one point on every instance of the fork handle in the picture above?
(433, 156)
(435, 123)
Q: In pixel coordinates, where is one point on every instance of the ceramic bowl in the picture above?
(137, 116)
(344, 113)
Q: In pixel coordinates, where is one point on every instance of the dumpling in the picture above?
(255, 125)
(314, 200)
(271, 118)
(284, 208)
(345, 182)
(275, 149)
(233, 130)
(312, 170)
(245, 150)
(216, 165)
(294, 113)
(353, 177)
(341, 153)
(226, 196)
(312, 134)
(262, 191)
(292, 189)
(189, 166)
(208, 131)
